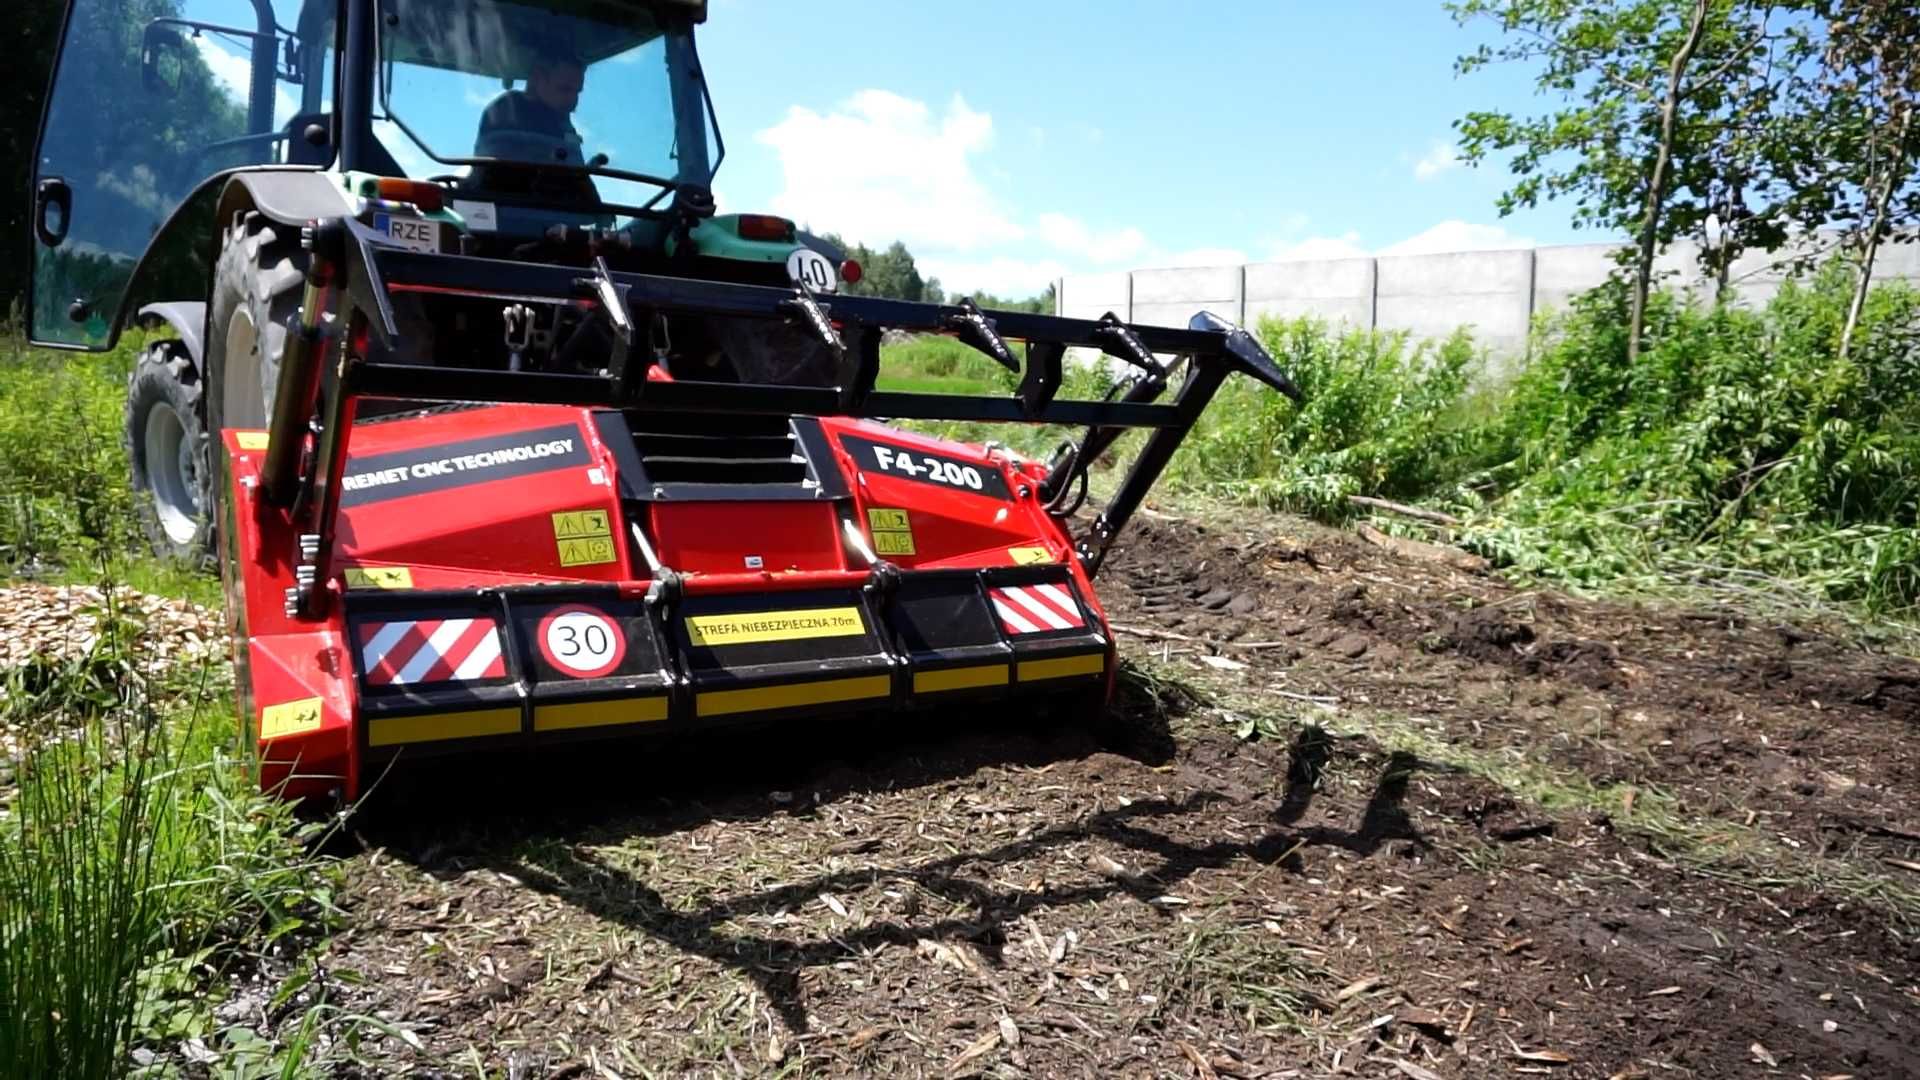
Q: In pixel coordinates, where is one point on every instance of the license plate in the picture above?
(416, 234)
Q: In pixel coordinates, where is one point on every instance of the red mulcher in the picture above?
(640, 553)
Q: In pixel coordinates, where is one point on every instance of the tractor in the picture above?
(503, 438)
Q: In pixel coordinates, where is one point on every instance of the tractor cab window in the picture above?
(149, 101)
(576, 100)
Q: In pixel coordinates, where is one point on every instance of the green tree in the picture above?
(1639, 85)
(1865, 97)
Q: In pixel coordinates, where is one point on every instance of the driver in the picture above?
(545, 107)
(535, 125)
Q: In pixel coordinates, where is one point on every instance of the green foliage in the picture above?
(64, 494)
(1740, 450)
(1739, 445)
(139, 866)
(1382, 416)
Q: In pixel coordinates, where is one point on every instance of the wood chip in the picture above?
(1009, 1031)
(1221, 663)
(1357, 987)
(862, 1037)
(1663, 991)
(1905, 865)
(1425, 1018)
(1762, 1055)
(1418, 1072)
(1201, 1068)
(1545, 1057)
(975, 1050)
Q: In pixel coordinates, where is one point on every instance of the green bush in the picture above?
(1740, 446)
(1381, 416)
(64, 494)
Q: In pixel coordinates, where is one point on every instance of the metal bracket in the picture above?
(1118, 340)
(612, 297)
(1042, 380)
(975, 329)
(857, 379)
(814, 317)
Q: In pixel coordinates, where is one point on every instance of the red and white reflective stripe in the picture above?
(1034, 609)
(430, 650)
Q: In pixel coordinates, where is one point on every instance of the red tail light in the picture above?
(850, 272)
(428, 197)
(765, 227)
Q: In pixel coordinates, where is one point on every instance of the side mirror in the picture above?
(163, 57)
(53, 211)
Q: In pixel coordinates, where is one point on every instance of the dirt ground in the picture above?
(1362, 815)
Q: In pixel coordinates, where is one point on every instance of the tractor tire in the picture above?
(166, 441)
(257, 283)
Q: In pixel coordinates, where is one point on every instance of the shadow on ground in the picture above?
(544, 836)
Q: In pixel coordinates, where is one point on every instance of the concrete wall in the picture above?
(1341, 291)
(1431, 296)
(1497, 293)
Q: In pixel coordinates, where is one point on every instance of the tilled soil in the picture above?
(1263, 873)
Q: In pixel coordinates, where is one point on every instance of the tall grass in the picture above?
(139, 864)
(82, 874)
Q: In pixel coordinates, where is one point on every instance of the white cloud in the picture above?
(1345, 246)
(1439, 158)
(1196, 257)
(1000, 275)
(1071, 235)
(234, 73)
(1457, 235)
(881, 167)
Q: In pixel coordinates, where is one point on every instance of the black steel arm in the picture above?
(1214, 347)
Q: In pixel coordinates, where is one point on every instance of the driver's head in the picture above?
(556, 81)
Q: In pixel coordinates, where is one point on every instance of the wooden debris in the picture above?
(1415, 512)
(1421, 551)
(979, 1048)
(1201, 1067)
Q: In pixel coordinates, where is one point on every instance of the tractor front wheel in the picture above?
(167, 447)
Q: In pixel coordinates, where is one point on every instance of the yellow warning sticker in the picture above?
(892, 532)
(586, 551)
(290, 718)
(583, 537)
(573, 523)
(250, 440)
(758, 626)
(1026, 556)
(379, 577)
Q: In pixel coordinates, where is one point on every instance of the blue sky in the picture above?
(1008, 143)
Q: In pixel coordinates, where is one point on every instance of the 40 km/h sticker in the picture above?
(581, 641)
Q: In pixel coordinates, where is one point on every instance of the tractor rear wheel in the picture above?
(256, 294)
(166, 442)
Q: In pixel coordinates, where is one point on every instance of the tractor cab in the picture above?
(149, 116)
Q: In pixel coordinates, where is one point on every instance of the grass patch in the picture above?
(143, 875)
